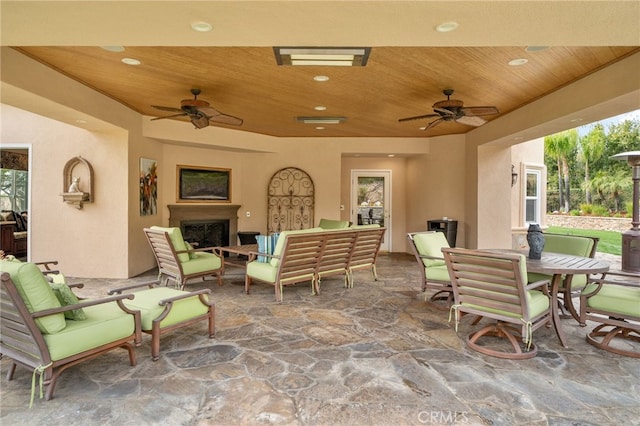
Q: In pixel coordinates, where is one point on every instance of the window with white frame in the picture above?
(533, 195)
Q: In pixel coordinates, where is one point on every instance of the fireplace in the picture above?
(202, 222)
(206, 233)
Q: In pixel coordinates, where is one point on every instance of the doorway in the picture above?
(371, 200)
(15, 197)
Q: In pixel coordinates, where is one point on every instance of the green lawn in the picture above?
(610, 242)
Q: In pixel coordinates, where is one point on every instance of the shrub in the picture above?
(575, 212)
(600, 210)
(586, 208)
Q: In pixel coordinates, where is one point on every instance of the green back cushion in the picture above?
(333, 224)
(431, 244)
(568, 244)
(615, 298)
(36, 294)
(175, 235)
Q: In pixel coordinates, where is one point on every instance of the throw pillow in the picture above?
(66, 297)
(192, 254)
(266, 244)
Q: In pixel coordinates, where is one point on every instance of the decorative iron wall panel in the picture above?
(291, 200)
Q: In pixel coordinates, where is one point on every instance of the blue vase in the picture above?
(535, 238)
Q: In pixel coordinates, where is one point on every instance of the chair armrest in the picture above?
(164, 302)
(537, 284)
(215, 250)
(46, 264)
(119, 290)
(80, 305)
(254, 254)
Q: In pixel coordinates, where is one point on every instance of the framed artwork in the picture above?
(203, 184)
(148, 187)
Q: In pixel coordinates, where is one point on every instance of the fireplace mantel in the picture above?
(183, 212)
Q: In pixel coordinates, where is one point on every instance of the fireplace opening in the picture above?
(206, 233)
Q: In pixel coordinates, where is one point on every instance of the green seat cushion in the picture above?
(146, 301)
(201, 263)
(431, 244)
(268, 273)
(537, 300)
(577, 282)
(615, 298)
(105, 323)
(367, 226)
(437, 273)
(36, 294)
(175, 235)
(333, 224)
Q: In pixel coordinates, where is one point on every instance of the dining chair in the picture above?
(427, 248)
(494, 285)
(574, 245)
(613, 301)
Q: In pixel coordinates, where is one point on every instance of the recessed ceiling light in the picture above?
(446, 27)
(518, 62)
(80, 121)
(323, 56)
(130, 61)
(321, 78)
(536, 48)
(320, 108)
(201, 27)
(391, 155)
(576, 120)
(422, 128)
(113, 48)
(320, 127)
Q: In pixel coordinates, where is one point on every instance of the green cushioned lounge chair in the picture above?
(176, 261)
(34, 332)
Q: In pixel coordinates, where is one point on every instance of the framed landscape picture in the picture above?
(203, 184)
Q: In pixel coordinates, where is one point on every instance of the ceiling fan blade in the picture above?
(218, 117)
(164, 108)
(200, 121)
(434, 123)
(169, 116)
(418, 117)
(471, 120)
(480, 110)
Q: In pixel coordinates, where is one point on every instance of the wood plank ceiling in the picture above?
(397, 82)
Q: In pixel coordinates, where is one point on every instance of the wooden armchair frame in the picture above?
(442, 287)
(22, 341)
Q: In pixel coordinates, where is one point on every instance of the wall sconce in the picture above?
(514, 176)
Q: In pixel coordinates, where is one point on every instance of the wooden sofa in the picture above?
(312, 254)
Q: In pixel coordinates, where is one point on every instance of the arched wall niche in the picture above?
(77, 183)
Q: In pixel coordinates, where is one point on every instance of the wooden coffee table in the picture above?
(242, 254)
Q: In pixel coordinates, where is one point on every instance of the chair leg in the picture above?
(247, 283)
(11, 371)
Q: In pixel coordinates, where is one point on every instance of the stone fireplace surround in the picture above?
(203, 212)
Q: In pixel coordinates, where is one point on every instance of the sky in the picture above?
(633, 115)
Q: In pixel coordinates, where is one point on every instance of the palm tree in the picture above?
(591, 148)
(560, 146)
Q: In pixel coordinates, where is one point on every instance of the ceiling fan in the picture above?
(199, 112)
(453, 110)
